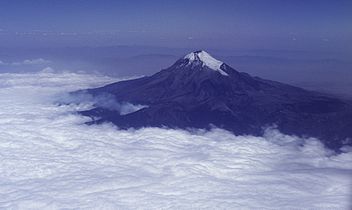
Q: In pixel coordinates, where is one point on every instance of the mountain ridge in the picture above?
(192, 93)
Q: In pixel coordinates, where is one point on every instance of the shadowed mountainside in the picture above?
(199, 91)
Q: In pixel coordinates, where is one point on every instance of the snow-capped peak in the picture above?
(206, 59)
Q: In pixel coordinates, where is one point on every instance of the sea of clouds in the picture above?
(50, 159)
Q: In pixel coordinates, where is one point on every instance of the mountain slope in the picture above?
(199, 91)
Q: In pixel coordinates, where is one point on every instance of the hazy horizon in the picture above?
(321, 71)
(292, 25)
(304, 43)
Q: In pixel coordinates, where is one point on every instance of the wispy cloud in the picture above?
(37, 61)
(106, 101)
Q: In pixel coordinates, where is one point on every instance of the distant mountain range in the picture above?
(199, 91)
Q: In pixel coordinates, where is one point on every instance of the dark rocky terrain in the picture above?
(199, 91)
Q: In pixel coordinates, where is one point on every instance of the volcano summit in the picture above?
(199, 91)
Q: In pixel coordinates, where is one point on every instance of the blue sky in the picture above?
(227, 24)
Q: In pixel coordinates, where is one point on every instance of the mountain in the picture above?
(199, 91)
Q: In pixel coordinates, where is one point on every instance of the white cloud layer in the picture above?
(51, 160)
